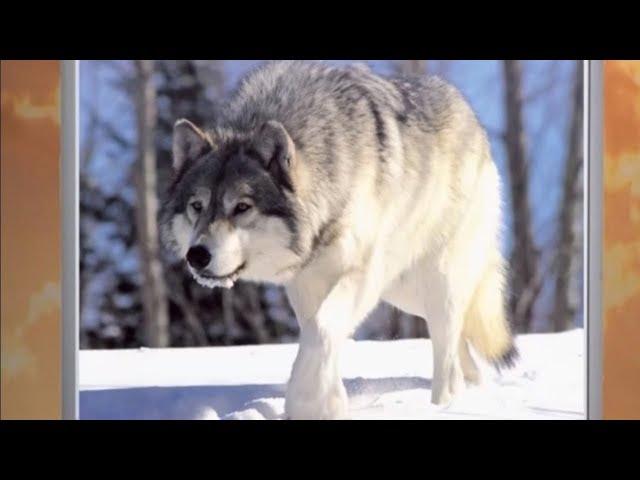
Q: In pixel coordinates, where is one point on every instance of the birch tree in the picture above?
(154, 290)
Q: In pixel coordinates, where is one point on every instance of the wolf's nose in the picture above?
(198, 257)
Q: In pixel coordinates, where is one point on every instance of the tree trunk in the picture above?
(525, 275)
(254, 314)
(566, 294)
(154, 293)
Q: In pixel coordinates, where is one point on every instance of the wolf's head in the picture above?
(231, 211)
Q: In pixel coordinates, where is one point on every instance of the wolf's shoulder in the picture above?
(282, 77)
(293, 92)
(313, 97)
(296, 80)
(310, 82)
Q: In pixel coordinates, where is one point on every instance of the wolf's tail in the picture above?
(485, 323)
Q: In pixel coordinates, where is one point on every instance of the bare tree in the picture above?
(526, 280)
(566, 296)
(154, 290)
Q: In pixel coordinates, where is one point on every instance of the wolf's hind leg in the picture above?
(436, 305)
(470, 369)
(448, 378)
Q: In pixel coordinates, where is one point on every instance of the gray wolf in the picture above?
(348, 188)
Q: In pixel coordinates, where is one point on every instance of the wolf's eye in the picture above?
(197, 206)
(241, 208)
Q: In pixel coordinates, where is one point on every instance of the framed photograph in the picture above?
(321, 239)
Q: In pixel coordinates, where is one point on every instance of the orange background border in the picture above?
(621, 242)
(31, 255)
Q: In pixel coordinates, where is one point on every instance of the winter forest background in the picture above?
(135, 294)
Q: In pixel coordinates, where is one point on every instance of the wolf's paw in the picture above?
(441, 399)
(447, 393)
(473, 378)
(311, 411)
(334, 406)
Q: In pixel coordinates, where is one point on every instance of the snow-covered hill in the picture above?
(385, 380)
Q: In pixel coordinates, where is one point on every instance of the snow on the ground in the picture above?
(385, 380)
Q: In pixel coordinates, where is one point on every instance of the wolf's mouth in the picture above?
(235, 273)
(210, 280)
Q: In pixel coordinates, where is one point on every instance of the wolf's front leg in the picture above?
(315, 390)
(328, 310)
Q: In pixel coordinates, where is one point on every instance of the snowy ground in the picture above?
(385, 380)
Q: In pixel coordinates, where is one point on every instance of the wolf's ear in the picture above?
(189, 143)
(277, 151)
